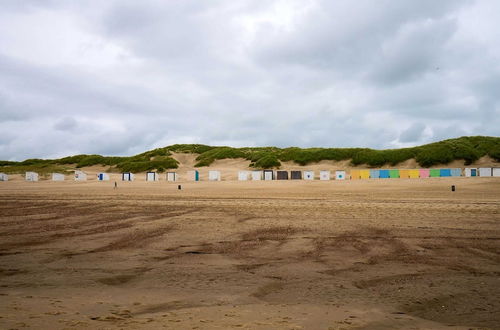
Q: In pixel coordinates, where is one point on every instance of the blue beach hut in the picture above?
(445, 172)
(383, 174)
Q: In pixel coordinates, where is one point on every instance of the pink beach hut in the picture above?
(424, 173)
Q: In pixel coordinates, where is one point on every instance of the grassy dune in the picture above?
(467, 148)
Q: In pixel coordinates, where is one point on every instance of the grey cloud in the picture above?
(413, 133)
(66, 124)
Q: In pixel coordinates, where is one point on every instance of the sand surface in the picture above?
(367, 254)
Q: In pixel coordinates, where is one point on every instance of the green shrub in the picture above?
(268, 161)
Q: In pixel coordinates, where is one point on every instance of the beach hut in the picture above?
(213, 176)
(374, 174)
(80, 176)
(496, 171)
(31, 176)
(339, 175)
(268, 175)
(103, 177)
(355, 175)
(456, 172)
(404, 174)
(152, 176)
(471, 172)
(485, 171)
(193, 175)
(294, 175)
(394, 174)
(435, 173)
(324, 175)
(445, 172)
(243, 175)
(424, 173)
(364, 174)
(308, 175)
(257, 175)
(127, 176)
(57, 177)
(414, 174)
(4, 177)
(172, 176)
(384, 174)
(281, 175)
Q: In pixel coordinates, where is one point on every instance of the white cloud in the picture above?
(119, 77)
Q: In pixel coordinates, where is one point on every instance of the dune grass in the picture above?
(467, 148)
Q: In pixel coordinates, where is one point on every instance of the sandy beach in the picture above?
(367, 254)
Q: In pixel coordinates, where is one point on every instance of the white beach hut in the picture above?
(171, 176)
(268, 175)
(243, 175)
(31, 176)
(193, 175)
(324, 175)
(151, 176)
(485, 171)
(57, 177)
(103, 177)
(496, 171)
(80, 176)
(469, 172)
(4, 177)
(308, 175)
(256, 175)
(339, 175)
(213, 175)
(127, 176)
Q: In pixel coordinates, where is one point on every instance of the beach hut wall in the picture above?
(469, 172)
(31, 176)
(103, 177)
(414, 174)
(256, 175)
(80, 176)
(4, 177)
(364, 174)
(127, 176)
(384, 174)
(374, 174)
(172, 177)
(340, 175)
(308, 175)
(193, 175)
(243, 175)
(295, 175)
(445, 172)
(324, 175)
(214, 176)
(281, 175)
(57, 177)
(151, 176)
(268, 175)
(404, 174)
(435, 173)
(456, 172)
(355, 175)
(424, 173)
(485, 171)
(496, 171)
(394, 174)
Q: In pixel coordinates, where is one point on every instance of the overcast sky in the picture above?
(121, 77)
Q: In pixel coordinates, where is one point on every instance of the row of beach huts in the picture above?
(268, 175)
